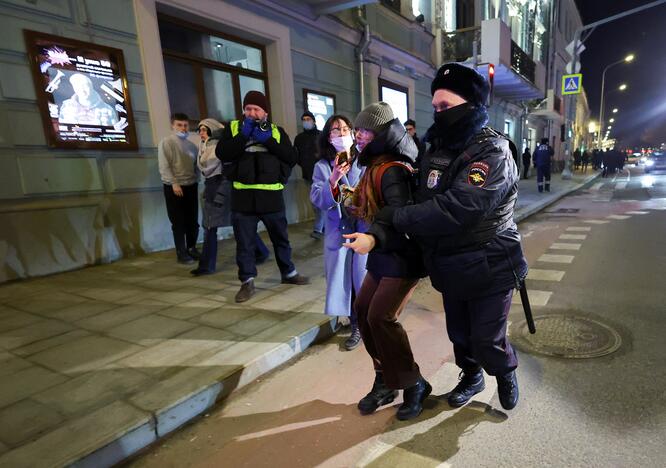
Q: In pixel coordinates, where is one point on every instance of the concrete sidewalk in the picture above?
(98, 363)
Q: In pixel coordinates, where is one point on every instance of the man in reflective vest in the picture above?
(259, 156)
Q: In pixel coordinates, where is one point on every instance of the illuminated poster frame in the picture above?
(317, 113)
(67, 71)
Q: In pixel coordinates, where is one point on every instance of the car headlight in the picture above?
(649, 162)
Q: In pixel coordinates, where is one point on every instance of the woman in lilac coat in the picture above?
(345, 269)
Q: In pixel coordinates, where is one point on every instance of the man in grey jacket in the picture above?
(177, 162)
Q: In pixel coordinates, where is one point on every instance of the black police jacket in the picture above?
(251, 163)
(307, 151)
(463, 220)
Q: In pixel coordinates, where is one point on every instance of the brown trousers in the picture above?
(378, 306)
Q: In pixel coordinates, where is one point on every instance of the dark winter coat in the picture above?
(306, 148)
(542, 156)
(253, 163)
(394, 254)
(464, 222)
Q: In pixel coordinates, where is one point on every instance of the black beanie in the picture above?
(464, 81)
(256, 98)
(308, 114)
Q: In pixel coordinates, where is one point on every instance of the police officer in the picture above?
(541, 158)
(464, 223)
(260, 157)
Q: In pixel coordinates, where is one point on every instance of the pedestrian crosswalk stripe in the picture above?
(551, 258)
(565, 246)
(595, 221)
(573, 236)
(537, 298)
(620, 185)
(579, 229)
(619, 217)
(596, 186)
(636, 212)
(544, 275)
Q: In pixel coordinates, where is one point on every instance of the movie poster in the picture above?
(82, 93)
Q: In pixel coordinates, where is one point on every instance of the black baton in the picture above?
(526, 307)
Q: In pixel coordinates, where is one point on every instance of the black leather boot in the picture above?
(471, 383)
(507, 389)
(413, 398)
(380, 395)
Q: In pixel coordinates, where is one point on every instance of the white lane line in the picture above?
(620, 186)
(636, 212)
(573, 236)
(564, 246)
(537, 298)
(579, 229)
(596, 186)
(618, 217)
(545, 275)
(550, 258)
(595, 221)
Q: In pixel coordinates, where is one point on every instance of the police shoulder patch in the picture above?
(478, 174)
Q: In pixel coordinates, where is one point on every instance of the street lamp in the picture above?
(628, 59)
(615, 111)
(622, 87)
(611, 121)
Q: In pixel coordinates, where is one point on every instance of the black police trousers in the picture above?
(183, 213)
(477, 329)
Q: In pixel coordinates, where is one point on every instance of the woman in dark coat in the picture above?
(394, 262)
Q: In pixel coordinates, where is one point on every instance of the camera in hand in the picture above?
(264, 125)
(343, 157)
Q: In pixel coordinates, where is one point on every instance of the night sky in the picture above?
(641, 119)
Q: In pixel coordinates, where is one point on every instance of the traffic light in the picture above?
(491, 81)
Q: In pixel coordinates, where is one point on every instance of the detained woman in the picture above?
(394, 262)
(335, 176)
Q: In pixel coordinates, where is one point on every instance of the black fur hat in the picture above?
(464, 81)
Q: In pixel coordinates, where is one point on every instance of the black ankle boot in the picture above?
(471, 383)
(507, 389)
(413, 398)
(380, 395)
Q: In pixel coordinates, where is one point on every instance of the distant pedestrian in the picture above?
(261, 157)
(336, 175)
(527, 162)
(176, 157)
(410, 126)
(608, 160)
(541, 157)
(586, 160)
(305, 145)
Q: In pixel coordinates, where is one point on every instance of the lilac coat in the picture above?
(343, 267)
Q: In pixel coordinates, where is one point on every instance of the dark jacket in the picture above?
(394, 254)
(542, 156)
(306, 148)
(464, 220)
(252, 163)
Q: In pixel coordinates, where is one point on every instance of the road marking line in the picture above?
(545, 275)
(595, 221)
(537, 298)
(620, 186)
(579, 229)
(618, 217)
(573, 236)
(636, 212)
(564, 246)
(596, 186)
(550, 258)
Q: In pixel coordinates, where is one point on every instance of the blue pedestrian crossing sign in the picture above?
(572, 84)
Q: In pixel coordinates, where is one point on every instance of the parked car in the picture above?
(634, 158)
(655, 162)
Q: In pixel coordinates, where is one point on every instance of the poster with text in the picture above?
(322, 106)
(82, 93)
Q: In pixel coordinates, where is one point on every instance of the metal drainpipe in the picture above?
(360, 53)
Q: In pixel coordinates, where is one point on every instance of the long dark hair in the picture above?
(326, 149)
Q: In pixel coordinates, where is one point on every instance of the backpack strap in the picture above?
(379, 173)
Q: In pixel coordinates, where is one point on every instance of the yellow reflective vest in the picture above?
(275, 133)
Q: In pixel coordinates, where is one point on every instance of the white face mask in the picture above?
(342, 143)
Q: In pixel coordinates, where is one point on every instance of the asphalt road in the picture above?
(607, 411)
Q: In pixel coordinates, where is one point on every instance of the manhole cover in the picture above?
(566, 336)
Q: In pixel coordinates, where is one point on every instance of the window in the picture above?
(322, 105)
(207, 72)
(397, 97)
(507, 128)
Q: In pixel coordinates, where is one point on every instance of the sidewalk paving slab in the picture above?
(101, 362)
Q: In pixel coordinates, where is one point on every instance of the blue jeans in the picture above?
(245, 231)
(208, 259)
